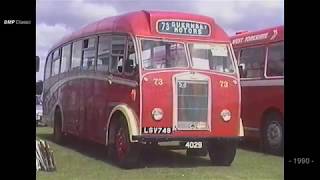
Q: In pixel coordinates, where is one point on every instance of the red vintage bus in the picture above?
(260, 56)
(146, 77)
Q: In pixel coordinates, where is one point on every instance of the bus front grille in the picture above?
(192, 105)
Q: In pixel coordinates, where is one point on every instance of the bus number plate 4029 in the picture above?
(193, 145)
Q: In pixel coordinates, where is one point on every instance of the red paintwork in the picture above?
(239, 41)
(121, 144)
(161, 97)
(86, 103)
(257, 100)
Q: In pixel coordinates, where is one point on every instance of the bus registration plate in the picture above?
(193, 145)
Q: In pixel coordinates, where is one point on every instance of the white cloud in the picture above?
(231, 13)
(220, 11)
(59, 18)
(46, 37)
(91, 12)
(75, 13)
(273, 4)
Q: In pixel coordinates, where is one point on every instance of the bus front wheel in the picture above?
(222, 152)
(122, 151)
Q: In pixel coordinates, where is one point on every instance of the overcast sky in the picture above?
(57, 18)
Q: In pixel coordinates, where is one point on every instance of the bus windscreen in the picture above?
(215, 57)
(162, 54)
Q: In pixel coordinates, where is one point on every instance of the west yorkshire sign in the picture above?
(183, 28)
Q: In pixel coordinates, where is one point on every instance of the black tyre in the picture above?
(272, 134)
(122, 151)
(222, 152)
(57, 128)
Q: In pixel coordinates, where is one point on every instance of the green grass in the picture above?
(84, 161)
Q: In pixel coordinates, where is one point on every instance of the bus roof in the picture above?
(263, 36)
(144, 23)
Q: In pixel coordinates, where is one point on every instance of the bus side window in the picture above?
(65, 58)
(275, 61)
(47, 72)
(76, 55)
(89, 54)
(103, 53)
(130, 62)
(253, 60)
(118, 47)
(56, 62)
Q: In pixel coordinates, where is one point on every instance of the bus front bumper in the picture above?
(147, 138)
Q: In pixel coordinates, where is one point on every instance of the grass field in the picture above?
(85, 161)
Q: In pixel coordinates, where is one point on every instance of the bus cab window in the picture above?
(116, 64)
(130, 62)
(120, 64)
(117, 46)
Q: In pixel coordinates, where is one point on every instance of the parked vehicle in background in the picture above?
(146, 77)
(260, 57)
(37, 63)
(38, 110)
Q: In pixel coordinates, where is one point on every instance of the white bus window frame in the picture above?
(266, 62)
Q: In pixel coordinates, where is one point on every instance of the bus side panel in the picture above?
(106, 96)
(45, 106)
(256, 100)
(87, 115)
(50, 100)
(102, 94)
(65, 98)
(71, 97)
(121, 94)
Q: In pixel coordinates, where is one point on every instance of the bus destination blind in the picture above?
(183, 28)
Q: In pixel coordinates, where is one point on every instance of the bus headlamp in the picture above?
(157, 114)
(225, 115)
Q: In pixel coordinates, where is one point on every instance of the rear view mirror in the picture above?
(37, 63)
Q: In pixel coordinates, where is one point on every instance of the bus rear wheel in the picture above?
(222, 152)
(123, 152)
(273, 134)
